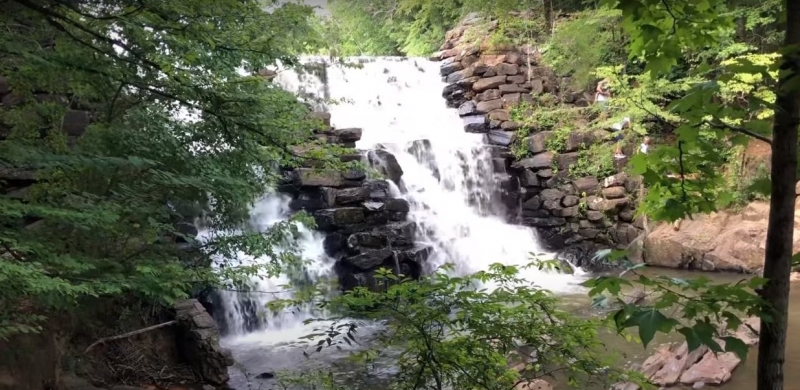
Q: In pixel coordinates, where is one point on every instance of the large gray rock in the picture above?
(347, 135)
(310, 177)
(352, 195)
(332, 219)
(386, 163)
(489, 83)
(539, 161)
(537, 143)
(475, 124)
(467, 108)
(499, 137)
(485, 107)
(314, 199)
(198, 340)
(369, 260)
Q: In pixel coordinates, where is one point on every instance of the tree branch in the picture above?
(129, 334)
(720, 125)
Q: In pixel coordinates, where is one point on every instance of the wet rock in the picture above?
(331, 219)
(475, 124)
(528, 178)
(386, 163)
(533, 203)
(552, 194)
(566, 212)
(369, 260)
(423, 153)
(378, 189)
(545, 173)
(347, 135)
(314, 199)
(352, 195)
(467, 108)
(498, 137)
(544, 222)
(449, 66)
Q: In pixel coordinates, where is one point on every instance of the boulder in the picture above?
(588, 185)
(486, 106)
(552, 194)
(544, 222)
(467, 108)
(311, 199)
(566, 212)
(716, 241)
(378, 189)
(347, 134)
(398, 233)
(386, 163)
(570, 200)
(449, 66)
(475, 124)
(511, 100)
(532, 204)
(198, 340)
(499, 137)
(369, 260)
(581, 139)
(309, 177)
(489, 83)
(712, 369)
(499, 115)
(680, 360)
(539, 161)
(491, 94)
(506, 69)
(397, 205)
(545, 173)
(566, 160)
(352, 195)
(510, 125)
(537, 143)
(331, 219)
(613, 192)
(528, 178)
(511, 88)
(617, 180)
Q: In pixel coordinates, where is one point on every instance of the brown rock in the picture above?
(511, 88)
(681, 360)
(711, 369)
(657, 361)
(517, 79)
(534, 384)
(491, 94)
(537, 87)
(493, 59)
(615, 204)
(510, 125)
(587, 184)
(515, 58)
(748, 331)
(566, 160)
(506, 69)
(614, 192)
(537, 143)
(489, 83)
(485, 107)
(511, 100)
(499, 115)
(726, 242)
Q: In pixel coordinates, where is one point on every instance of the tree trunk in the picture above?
(777, 264)
(548, 15)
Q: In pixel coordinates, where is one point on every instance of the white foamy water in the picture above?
(398, 101)
(448, 180)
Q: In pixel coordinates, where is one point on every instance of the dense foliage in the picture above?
(491, 330)
(181, 127)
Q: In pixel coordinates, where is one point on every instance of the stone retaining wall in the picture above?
(575, 215)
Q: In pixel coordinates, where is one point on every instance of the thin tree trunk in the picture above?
(548, 15)
(777, 264)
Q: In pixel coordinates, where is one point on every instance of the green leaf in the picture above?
(649, 322)
(733, 344)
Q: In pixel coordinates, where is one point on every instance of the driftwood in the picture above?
(129, 334)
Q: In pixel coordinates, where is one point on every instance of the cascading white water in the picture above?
(448, 180)
(245, 314)
(398, 101)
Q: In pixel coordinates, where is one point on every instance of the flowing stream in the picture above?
(455, 199)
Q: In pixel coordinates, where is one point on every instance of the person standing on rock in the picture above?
(645, 145)
(602, 93)
(619, 136)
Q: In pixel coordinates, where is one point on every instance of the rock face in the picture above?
(198, 341)
(675, 364)
(715, 242)
(365, 227)
(575, 215)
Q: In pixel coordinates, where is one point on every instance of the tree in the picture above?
(661, 32)
(490, 330)
(181, 128)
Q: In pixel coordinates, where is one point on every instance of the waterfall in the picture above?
(450, 180)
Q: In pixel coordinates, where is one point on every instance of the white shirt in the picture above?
(618, 126)
(643, 148)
